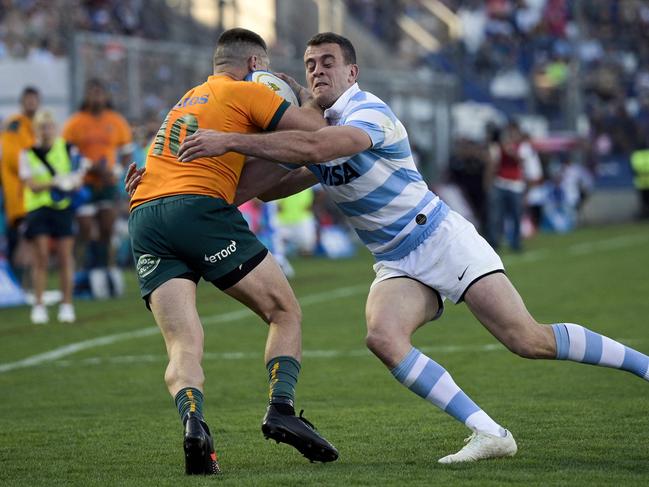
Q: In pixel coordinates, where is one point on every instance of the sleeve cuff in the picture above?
(278, 115)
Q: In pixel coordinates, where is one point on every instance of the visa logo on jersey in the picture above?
(192, 100)
(337, 175)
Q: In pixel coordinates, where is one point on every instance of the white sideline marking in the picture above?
(76, 347)
(66, 350)
(148, 358)
(608, 244)
(532, 256)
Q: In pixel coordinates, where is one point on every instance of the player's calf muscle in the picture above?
(532, 341)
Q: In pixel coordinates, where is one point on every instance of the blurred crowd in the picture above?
(512, 186)
(580, 67)
(531, 50)
(521, 54)
(41, 29)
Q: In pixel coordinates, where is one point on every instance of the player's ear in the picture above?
(255, 63)
(353, 72)
(252, 63)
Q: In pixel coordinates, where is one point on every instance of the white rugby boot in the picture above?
(480, 446)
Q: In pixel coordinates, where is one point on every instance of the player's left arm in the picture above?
(257, 176)
(306, 117)
(292, 183)
(296, 147)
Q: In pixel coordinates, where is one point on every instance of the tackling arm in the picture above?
(267, 181)
(292, 183)
(257, 176)
(297, 146)
(303, 118)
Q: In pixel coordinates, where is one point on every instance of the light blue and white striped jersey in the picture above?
(380, 190)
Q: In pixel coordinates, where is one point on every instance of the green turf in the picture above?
(102, 416)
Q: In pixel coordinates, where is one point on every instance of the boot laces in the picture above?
(305, 421)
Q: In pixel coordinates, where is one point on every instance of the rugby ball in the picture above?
(276, 84)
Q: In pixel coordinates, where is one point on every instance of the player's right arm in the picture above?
(294, 146)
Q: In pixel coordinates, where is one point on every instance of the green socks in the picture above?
(189, 400)
(282, 377)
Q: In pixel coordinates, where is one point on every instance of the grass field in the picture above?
(89, 406)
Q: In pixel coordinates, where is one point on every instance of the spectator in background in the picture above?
(296, 222)
(507, 190)
(262, 219)
(103, 136)
(467, 170)
(642, 121)
(640, 166)
(534, 180)
(567, 189)
(45, 168)
(18, 134)
(621, 128)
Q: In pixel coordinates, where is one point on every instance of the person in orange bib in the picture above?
(104, 138)
(18, 134)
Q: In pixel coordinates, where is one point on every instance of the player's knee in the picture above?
(522, 348)
(532, 343)
(379, 340)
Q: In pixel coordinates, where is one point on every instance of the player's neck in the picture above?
(235, 74)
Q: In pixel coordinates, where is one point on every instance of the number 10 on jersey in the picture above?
(188, 121)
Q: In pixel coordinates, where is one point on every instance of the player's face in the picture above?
(327, 74)
(97, 97)
(30, 104)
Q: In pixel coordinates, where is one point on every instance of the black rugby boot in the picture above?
(200, 457)
(298, 432)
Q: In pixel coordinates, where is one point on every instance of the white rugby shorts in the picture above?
(449, 261)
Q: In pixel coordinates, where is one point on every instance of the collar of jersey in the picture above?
(333, 113)
(212, 77)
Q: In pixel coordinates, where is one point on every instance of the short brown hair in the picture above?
(349, 53)
(95, 83)
(30, 90)
(234, 45)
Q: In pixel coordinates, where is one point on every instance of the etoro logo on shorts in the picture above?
(146, 264)
(222, 254)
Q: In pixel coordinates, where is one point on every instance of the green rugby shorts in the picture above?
(191, 236)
